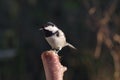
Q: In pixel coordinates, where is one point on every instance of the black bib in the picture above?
(49, 33)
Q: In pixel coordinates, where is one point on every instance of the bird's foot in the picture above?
(56, 50)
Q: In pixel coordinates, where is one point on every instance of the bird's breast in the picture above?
(56, 42)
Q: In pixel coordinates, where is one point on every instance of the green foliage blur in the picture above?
(19, 24)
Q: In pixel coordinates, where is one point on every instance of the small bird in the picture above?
(55, 37)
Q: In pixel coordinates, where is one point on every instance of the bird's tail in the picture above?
(74, 49)
(70, 45)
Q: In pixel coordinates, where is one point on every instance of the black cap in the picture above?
(49, 24)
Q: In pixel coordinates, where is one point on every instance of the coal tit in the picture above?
(55, 37)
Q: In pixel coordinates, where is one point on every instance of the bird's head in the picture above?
(49, 26)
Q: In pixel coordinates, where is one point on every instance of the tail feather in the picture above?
(70, 45)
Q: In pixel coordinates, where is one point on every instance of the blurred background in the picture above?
(92, 26)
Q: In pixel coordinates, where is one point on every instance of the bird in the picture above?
(55, 37)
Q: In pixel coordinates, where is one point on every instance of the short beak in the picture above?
(41, 29)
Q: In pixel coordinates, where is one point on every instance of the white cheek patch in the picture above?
(51, 28)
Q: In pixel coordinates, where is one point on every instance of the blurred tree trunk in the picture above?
(100, 19)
